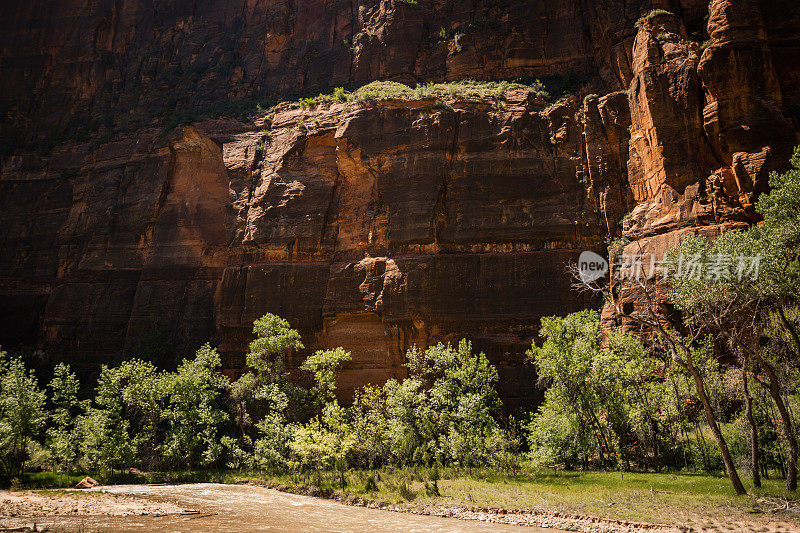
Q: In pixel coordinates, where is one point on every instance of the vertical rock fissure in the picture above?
(439, 218)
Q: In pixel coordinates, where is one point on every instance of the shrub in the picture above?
(455, 43)
(589, 97)
(405, 491)
(652, 14)
(370, 485)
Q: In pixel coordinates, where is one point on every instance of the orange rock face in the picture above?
(378, 224)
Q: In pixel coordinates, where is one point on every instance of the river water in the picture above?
(225, 508)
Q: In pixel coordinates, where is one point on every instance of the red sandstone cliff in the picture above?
(372, 224)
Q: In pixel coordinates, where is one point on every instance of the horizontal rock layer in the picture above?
(373, 224)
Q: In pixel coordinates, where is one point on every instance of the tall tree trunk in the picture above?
(702, 445)
(788, 428)
(748, 412)
(727, 460)
(675, 344)
(682, 427)
(791, 329)
(656, 458)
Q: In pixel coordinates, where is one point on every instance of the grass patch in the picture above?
(652, 14)
(643, 497)
(390, 90)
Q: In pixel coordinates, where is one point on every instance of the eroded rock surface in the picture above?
(372, 224)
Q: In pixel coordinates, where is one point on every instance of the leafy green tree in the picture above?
(454, 417)
(267, 388)
(565, 363)
(370, 427)
(274, 336)
(106, 442)
(241, 398)
(323, 364)
(605, 393)
(412, 423)
(274, 431)
(145, 391)
(195, 411)
(778, 239)
(633, 392)
(327, 440)
(22, 414)
(747, 309)
(63, 437)
(556, 435)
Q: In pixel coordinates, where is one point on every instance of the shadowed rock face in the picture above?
(377, 224)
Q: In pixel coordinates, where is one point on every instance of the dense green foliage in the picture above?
(21, 414)
(730, 359)
(748, 298)
(447, 412)
(611, 402)
(649, 398)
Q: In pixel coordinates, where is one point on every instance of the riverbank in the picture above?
(579, 501)
(515, 517)
(220, 508)
(582, 501)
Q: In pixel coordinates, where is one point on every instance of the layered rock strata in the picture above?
(380, 222)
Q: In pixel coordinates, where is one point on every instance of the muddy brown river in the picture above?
(225, 508)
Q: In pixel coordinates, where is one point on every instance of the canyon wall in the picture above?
(142, 214)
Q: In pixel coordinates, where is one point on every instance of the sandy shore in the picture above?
(32, 504)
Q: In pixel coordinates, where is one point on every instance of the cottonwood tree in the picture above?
(22, 413)
(195, 412)
(106, 442)
(63, 437)
(601, 387)
(653, 316)
(753, 308)
(323, 364)
(267, 386)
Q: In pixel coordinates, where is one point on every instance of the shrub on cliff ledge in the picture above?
(652, 14)
(390, 90)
